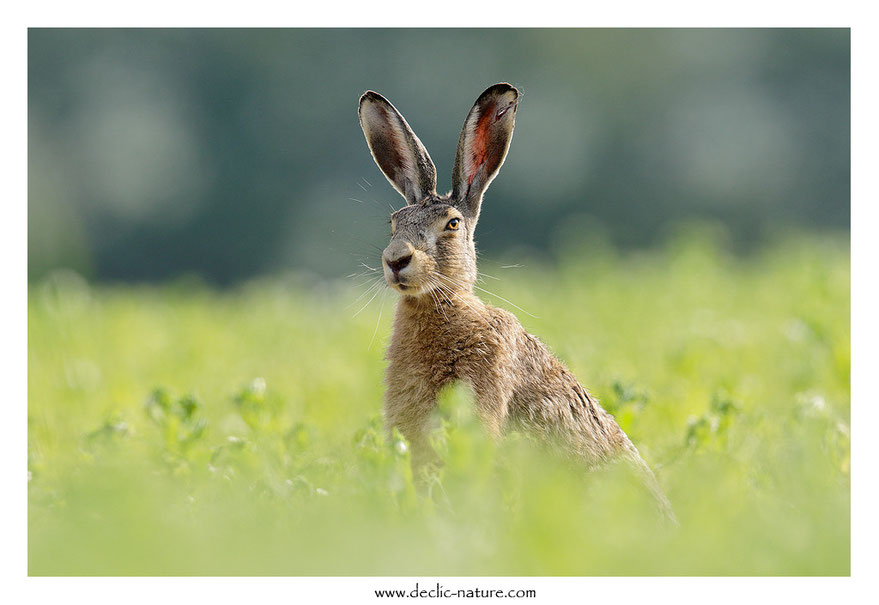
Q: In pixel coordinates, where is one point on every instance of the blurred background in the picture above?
(156, 154)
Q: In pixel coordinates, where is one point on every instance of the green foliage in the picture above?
(730, 375)
(177, 420)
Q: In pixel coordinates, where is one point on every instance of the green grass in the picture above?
(178, 430)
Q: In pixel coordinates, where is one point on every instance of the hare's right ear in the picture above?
(483, 146)
(396, 149)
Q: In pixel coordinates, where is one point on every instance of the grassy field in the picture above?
(179, 430)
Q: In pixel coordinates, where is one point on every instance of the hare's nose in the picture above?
(398, 264)
(398, 255)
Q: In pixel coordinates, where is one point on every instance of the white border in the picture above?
(452, 14)
(449, 13)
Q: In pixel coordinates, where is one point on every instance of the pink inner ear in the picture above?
(388, 145)
(479, 143)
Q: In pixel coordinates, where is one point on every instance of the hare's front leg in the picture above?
(408, 407)
(492, 403)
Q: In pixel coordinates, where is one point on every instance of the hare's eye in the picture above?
(452, 225)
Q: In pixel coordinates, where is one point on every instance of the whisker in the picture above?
(378, 321)
(456, 295)
(366, 273)
(436, 300)
(451, 282)
(506, 301)
(437, 305)
(430, 287)
(356, 274)
(379, 289)
(369, 275)
(363, 274)
(374, 201)
(369, 280)
(372, 285)
(360, 276)
(461, 284)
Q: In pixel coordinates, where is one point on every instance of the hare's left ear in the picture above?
(396, 149)
(483, 146)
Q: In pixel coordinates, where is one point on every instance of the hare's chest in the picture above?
(429, 355)
(441, 352)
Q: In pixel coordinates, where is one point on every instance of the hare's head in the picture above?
(431, 245)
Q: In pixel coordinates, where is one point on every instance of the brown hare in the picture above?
(445, 333)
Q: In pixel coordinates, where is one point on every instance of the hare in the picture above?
(442, 331)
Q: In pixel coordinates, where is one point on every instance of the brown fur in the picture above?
(442, 331)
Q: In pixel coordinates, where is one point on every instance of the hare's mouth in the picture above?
(398, 283)
(405, 287)
(410, 284)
